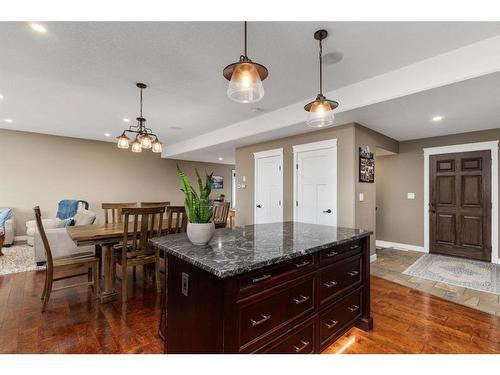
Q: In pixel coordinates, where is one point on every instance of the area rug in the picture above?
(466, 273)
(18, 258)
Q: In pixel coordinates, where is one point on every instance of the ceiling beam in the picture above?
(467, 62)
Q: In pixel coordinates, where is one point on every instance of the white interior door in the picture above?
(269, 186)
(316, 183)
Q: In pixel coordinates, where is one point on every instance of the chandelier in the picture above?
(144, 137)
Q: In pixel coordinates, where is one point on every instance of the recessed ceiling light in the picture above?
(39, 28)
(8, 120)
(1, 97)
(437, 118)
(221, 158)
(107, 134)
(126, 120)
(175, 127)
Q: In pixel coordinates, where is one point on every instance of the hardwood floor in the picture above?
(406, 321)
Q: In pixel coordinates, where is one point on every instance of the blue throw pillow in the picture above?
(4, 216)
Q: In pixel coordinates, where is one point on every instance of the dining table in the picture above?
(103, 237)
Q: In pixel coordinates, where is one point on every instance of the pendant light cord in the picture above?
(246, 40)
(141, 102)
(320, 68)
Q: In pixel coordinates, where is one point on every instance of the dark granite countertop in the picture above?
(232, 252)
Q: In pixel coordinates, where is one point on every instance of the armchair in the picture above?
(60, 242)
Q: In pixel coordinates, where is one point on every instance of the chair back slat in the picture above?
(220, 213)
(113, 212)
(46, 246)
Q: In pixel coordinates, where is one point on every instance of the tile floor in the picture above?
(391, 263)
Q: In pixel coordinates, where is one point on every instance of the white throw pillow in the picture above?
(84, 217)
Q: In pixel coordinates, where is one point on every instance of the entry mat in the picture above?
(467, 273)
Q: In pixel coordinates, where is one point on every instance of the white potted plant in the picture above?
(200, 227)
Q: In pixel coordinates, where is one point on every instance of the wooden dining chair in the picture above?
(72, 262)
(113, 212)
(220, 213)
(146, 223)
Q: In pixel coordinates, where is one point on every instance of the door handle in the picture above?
(328, 211)
(259, 206)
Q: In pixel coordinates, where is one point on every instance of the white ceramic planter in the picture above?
(200, 234)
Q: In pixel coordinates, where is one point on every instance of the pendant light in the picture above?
(245, 78)
(321, 110)
(144, 136)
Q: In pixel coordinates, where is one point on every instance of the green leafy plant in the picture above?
(197, 205)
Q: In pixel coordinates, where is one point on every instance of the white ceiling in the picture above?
(78, 79)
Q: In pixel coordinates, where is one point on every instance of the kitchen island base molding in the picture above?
(300, 305)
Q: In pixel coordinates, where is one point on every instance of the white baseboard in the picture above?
(373, 258)
(400, 246)
(20, 238)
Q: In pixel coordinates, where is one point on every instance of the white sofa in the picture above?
(9, 231)
(60, 242)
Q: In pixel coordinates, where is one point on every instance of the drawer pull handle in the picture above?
(259, 279)
(332, 254)
(264, 319)
(332, 323)
(303, 264)
(300, 300)
(330, 284)
(303, 345)
(353, 308)
(353, 273)
(352, 247)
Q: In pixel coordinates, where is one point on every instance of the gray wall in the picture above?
(399, 219)
(41, 170)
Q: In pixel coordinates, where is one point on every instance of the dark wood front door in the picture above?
(460, 204)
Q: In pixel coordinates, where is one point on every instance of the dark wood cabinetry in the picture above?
(300, 305)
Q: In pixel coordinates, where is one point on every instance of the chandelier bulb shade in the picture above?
(143, 135)
(245, 78)
(320, 111)
(123, 141)
(156, 146)
(136, 146)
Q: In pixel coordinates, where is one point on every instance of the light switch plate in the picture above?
(185, 284)
(411, 195)
(361, 197)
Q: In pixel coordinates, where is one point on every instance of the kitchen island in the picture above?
(269, 288)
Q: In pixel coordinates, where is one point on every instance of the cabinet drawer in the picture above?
(333, 254)
(337, 318)
(299, 341)
(255, 281)
(273, 313)
(338, 278)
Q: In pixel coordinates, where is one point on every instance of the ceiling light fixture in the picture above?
(220, 159)
(126, 120)
(437, 118)
(39, 28)
(143, 135)
(1, 97)
(245, 78)
(320, 110)
(8, 120)
(107, 134)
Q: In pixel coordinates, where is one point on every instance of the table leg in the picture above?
(108, 291)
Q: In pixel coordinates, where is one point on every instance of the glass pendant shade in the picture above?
(145, 141)
(136, 146)
(156, 146)
(320, 114)
(245, 85)
(123, 141)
